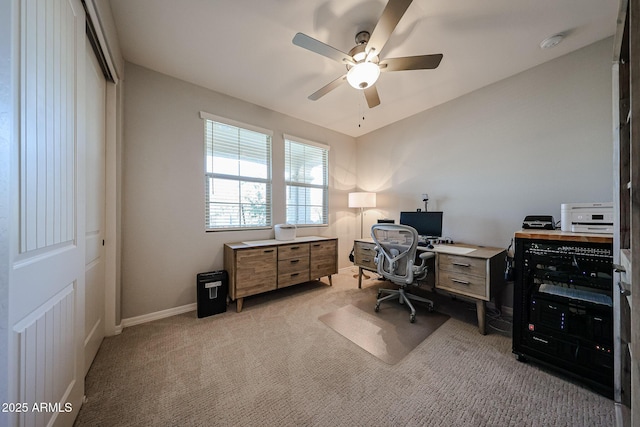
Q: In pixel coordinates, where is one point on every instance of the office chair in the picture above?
(396, 247)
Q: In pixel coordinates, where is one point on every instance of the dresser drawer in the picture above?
(256, 271)
(293, 271)
(295, 250)
(324, 266)
(463, 265)
(464, 284)
(326, 249)
(364, 254)
(323, 259)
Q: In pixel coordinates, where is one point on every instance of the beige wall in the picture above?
(164, 242)
(519, 147)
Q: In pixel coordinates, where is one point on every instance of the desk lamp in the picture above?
(362, 200)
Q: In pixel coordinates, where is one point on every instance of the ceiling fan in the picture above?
(363, 62)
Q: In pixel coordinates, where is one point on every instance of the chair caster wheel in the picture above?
(430, 309)
(377, 309)
(412, 318)
(379, 295)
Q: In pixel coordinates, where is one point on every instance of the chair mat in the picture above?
(388, 334)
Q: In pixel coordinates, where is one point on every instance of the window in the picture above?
(306, 178)
(237, 174)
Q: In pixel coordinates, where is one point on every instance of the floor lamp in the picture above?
(362, 200)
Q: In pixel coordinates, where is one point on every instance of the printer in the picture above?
(587, 217)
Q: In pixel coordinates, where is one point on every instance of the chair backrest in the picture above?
(396, 247)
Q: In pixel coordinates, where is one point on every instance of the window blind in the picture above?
(307, 183)
(237, 176)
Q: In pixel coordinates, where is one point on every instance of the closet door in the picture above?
(47, 233)
(94, 323)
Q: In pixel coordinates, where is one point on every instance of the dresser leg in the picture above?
(481, 316)
(239, 305)
(330, 282)
(359, 277)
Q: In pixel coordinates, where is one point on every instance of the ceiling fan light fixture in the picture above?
(363, 75)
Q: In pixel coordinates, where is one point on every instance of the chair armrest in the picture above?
(426, 255)
(421, 269)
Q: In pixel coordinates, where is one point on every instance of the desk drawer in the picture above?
(295, 250)
(472, 286)
(293, 271)
(463, 265)
(364, 254)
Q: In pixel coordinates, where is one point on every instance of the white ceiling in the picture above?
(243, 48)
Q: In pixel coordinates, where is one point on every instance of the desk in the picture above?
(259, 266)
(475, 272)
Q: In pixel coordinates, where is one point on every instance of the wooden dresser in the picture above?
(259, 266)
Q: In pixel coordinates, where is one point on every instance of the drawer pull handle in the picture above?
(293, 261)
(268, 251)
(366, 249)
(462, 282)
(293, 248)
(541, 340)
(619, 268)
(316, 245)
(624, 288)
(366, 260)
(459, 264)
(295, 274)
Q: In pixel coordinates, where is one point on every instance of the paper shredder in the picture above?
(213, 288)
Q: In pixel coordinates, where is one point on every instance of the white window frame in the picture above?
(240, 178)
(289, 182)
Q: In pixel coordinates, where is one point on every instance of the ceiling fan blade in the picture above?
(323, 49)
(328, 88)
(420, 62)
(371, 93)
(391, 15)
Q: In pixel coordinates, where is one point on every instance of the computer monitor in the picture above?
(427, 224)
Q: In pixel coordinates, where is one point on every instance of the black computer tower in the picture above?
(212, 289)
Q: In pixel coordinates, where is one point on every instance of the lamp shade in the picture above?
(362, 200)
(363, 75)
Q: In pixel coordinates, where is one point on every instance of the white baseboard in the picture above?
(150, 317)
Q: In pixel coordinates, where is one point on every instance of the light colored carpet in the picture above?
(387, 334)
(276, 364)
